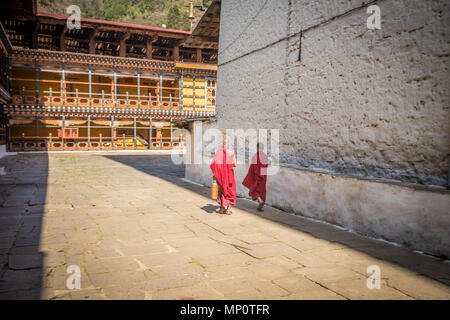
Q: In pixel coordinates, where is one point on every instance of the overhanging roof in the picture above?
(63, 18)
(206, 33)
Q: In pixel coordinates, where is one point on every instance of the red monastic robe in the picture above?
(222, 168)
(256, 177)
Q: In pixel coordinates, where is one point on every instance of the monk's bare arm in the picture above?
(234, 161)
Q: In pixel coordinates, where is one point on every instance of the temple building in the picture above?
(103, 86)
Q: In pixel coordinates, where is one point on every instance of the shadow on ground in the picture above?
(210, 208)
(428, 266)
(23, 189)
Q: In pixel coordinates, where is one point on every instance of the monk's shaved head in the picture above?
(225, 142)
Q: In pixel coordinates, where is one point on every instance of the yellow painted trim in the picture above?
(195, 66)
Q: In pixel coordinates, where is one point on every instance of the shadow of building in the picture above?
(23, 189)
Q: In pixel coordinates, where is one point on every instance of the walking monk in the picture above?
(222, 168)
(256, 177)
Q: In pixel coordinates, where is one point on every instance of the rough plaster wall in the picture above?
(237, 34)
(361, 102)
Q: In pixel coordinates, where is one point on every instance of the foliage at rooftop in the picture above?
(172, 13)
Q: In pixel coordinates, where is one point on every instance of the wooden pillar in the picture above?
(115, 86)
(160, 88)
(36, 66)
(176, 52)
(90, 86)
(62, 39)
(112, 132)
(34, 36)
(92, 41)
(134, 132)
(37, 132)
(193, 94)
(158, 137)
(123, 44)
(8, 134)
(138, 80)
(50, 142)
(149, 49)
(89, 132)
(150, 42)
(111, 93)
(180, 94)
(150, 134)
(170, 144)
(62, 131)
(206, 91)
(63, 84)
(199, 55)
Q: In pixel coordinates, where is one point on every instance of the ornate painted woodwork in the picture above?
(106, 86)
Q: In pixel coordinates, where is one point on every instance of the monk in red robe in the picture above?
(222, 168)
(256, 178)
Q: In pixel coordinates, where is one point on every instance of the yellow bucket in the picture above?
(214, 189)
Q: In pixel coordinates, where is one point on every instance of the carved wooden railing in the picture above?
(49, 143)
(98, 100)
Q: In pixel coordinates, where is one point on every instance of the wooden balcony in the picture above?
(51, 100)
(158, 97)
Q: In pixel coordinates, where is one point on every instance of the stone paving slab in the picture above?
(137, 230)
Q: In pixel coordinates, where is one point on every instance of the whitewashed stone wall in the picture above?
(361, 106)
(361, 102)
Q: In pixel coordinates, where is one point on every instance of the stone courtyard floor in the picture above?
(137, 230)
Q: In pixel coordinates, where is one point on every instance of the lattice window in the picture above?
(211, 92)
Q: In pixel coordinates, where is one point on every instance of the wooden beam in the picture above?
(105, 27)
(206, 25)
(204, 39)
